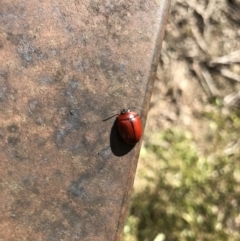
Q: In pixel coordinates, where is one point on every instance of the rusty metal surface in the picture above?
(65, 66)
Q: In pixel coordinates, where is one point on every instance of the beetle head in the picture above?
(125, 110)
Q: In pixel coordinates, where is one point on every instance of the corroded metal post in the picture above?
(64, 67)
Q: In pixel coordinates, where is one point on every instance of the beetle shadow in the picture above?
(118, 146)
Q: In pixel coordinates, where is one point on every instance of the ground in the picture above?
(187, 182)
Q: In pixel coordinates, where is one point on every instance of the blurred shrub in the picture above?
(184, 195)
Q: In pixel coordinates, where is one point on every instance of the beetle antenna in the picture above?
(110, 117)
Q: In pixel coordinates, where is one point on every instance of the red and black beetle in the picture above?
(129, 126)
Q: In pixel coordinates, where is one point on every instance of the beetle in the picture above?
(129, 126)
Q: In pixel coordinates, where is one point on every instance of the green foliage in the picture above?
(188, 196)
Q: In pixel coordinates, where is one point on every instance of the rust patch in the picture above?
(65, 65)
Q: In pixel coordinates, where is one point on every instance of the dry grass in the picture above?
(199, 63)
(197, 91)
